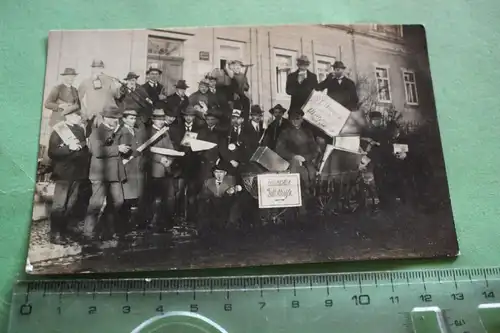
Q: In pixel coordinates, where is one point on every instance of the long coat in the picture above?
(209, 157)
(153, 92)
(300, 91)
(58, 95)
(252, 137)
(158, 170)
(273, 132)
(106, 163)
(138, 100)
(134, 169)
(190, 163)
(68, 164)
(344, 92)
(95, 100)
(178, 103)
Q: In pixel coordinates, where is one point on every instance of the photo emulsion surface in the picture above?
(220, 147)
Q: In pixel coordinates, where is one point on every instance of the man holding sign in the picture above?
(70, 157)
(297, 145)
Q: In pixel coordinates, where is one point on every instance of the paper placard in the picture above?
(400, 148)
(276, 190)
(65, 134)
(166, 151)
(347, 143)
(200, 145)
(325, 113)
(188, 137)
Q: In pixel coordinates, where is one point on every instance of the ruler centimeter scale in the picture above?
(448, 300)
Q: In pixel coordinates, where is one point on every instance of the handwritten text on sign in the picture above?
(325, 113)
(279, 190)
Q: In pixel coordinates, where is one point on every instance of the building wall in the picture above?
(126, 50)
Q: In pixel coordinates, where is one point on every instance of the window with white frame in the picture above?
(410, 87)
(383, 83)
(323, 65)
(284, 62)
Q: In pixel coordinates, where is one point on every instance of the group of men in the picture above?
(132, 142)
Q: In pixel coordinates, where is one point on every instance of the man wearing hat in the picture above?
(70, 159)
(135, 97)
(153, 86)
(297, 145)
(202, 99)
(240, 87)
(96, 93)
(276, 126)
(340, 88)
(107, 172)
(62, 96)
(178, 101)
(254, 134)
(217, 198)
(210, 133)
(300, 83)
(234, 149)
(131, 136)
(161, 170)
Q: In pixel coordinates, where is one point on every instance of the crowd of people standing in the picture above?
(130, 144)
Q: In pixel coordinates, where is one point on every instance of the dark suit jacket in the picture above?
(273, 132)
(252, 137)
(344, 93)
(106, 162)
(153, 93)
(300, 91)
(178, 104)
(190, 163)
(158, 170)
(210, 188)
(136, 100)
(60, 94)
(68, 164)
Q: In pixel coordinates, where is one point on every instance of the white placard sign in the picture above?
(278, 190)
(347, 143)
(325, 113)
(400, 148)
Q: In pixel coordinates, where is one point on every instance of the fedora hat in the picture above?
(338, 64)
(69, 71)
(111, 112)
(131, 75)
(129, 113)
(375, 115)
(213, 112)
(181, 84)
(232, 62)
(71, 109)
(189, 111)
(158, 113)
(277, 107)
(97, 63)
(295, 112)
(154, 67)
(256, 109)
(303, 60)
(204, 82)
(223, 166)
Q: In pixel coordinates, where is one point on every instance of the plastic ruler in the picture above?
(450, 300)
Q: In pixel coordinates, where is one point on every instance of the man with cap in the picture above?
(131, 136)
(240, 87)
(297, 145)
(161, 173)
(301, 83)
(107, 172)
(254, 131)
(202, 99)
(62, 96)
(96, 93)
(190, 163)
(210, 133)
(135, 97)
(70, 159)
(340, 88)
(217, 198)
(234, 149)
(153, 87)
(178, 101)
(276, 126)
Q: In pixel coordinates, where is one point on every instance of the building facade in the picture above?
(376, 56)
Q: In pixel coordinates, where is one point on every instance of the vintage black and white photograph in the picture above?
(186, 148)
